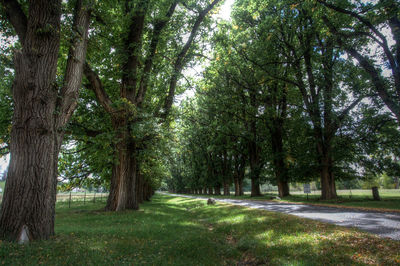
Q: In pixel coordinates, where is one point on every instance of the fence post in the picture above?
(69, 202)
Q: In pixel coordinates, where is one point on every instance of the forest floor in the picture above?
(173, 230)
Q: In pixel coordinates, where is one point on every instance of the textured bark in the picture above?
(40, 112)
(328, 187)
(123, 193)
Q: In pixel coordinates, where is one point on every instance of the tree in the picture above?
(41, 111)
(148, 30)
(368, 22)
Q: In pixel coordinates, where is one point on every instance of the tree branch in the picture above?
(179, 63)
(76, 58)
(17, 17)
(96, 85)
(158, 27)
(132, 47)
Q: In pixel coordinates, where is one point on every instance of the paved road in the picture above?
(381, 224)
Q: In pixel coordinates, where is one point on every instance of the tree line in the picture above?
(295, 91)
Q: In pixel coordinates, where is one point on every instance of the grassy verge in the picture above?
(389, 202)
(180, 231)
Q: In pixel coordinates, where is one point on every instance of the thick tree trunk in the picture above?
(328, 187)
(123, 180)
(41, 110)
(210, 191)
(29, 196)
(255, 187)
(283, 188)
(375, 193)
(396, 183)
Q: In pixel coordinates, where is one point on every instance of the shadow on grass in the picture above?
(180, 231)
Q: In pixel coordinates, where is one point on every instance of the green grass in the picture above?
(357, 198)
(180, 231)
(2, 184)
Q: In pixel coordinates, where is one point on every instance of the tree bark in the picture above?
(328, 187)
(123, 193)
(41, 110)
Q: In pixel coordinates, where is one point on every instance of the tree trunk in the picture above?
(283, 188)
(40, 112)
(217, 190)
(280, 169)
(123, 180)
(254, 169)
(237, 188)
(241, 193)
(396, 183)
(139, 186)
(328, 187)
(375, 193)
(255, 187)
(227, 191)
(210, 191)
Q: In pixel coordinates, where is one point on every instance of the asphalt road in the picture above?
(386, 225)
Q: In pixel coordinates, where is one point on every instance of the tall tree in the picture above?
(41, 111)
(145, 38)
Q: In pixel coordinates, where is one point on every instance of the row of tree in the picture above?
(117, 63)
(295, 91)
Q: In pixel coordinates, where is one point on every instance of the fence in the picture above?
(71, 197)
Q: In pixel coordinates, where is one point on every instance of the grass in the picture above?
(180, 231)
(357, 198)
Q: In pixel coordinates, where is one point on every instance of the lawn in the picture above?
(180, 231)
(355, 198)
